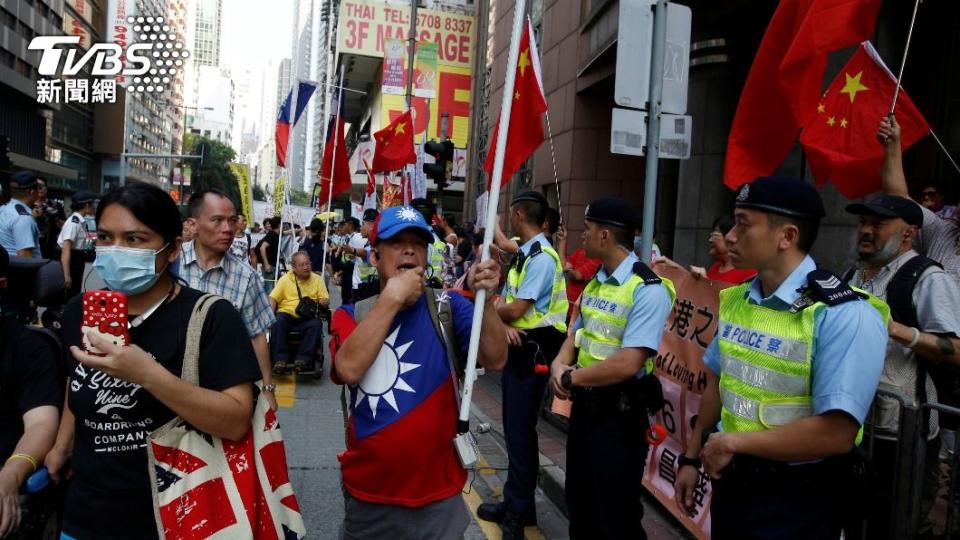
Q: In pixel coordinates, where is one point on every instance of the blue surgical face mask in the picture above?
(127, 270)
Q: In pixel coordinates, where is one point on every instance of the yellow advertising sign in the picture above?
(365, 27)
(246, 190)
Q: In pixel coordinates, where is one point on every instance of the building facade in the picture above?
(578, 55)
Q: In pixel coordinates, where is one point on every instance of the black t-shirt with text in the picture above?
(110, 495)
(30, 377)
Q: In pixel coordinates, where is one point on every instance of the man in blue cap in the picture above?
(75, 243)
(534, 306)
(791, 375)
(19, 234)
(399, 351)
(606, 367)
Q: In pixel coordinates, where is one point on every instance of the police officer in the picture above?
(74, 242)
(351, 247)
(534, 306)
(437, 250)
(19, 234)
(791, 374)
(366, 282)
(606, 367)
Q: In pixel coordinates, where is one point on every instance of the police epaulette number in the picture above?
(648, 276)
(825, 286)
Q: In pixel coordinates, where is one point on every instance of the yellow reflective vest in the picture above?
(556, 314)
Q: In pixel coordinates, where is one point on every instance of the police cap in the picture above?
(612, 211)
(23, 180)
(782, 195)
(370, 215)
(530, 196)
(83, 197)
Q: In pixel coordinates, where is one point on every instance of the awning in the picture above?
(42, 167)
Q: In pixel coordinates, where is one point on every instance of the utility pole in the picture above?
(653, 129)
(412, 52)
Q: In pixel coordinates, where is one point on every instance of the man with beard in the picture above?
(924, 303)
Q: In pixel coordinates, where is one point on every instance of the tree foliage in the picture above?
(299, 197)
(258, 193)
(214, 172)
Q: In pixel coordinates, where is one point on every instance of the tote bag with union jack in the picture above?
(207, 487)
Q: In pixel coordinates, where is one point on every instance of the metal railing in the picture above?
(909, 474)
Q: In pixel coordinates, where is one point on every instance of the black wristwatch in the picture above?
(683, 461)
(566, 380)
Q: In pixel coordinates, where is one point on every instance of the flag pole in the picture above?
(945, 151)
(553, 156)
(470, 375)
(333, 170)
(906, 49)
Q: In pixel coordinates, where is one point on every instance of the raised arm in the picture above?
(893, 181)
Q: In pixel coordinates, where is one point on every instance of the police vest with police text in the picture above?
(435, 256)
(604, 308)
(556, 314)
(766, 354)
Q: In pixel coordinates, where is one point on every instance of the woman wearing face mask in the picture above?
(114, 401)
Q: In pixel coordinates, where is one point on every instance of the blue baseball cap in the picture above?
(396, 219)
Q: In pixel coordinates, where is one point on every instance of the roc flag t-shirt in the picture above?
(400, 435)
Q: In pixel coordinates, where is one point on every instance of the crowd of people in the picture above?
(793, 372)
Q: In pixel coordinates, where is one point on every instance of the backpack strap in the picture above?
(901, 286)
(648, 276)
(848, 275)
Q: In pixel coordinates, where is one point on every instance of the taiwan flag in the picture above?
(840, 139)
(404, 409)
(284, 124)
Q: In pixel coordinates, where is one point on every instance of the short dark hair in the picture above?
(274, 222)
(724, 223)
(149, 204)
(552, 220)
(623, 236)
(808, 229)
(75, 206)
(241, 215)
(195, 203)
(534, 211)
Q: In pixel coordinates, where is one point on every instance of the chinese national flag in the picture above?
(525, 132)
(786, 79)
(394, 149)
(335, 163)
(840, 139)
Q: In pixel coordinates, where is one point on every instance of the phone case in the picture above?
(104, 314)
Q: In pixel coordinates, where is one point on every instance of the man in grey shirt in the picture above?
(887, 228)
(940, 238)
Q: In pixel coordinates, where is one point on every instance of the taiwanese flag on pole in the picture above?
(394, 149)
(304, 92)
(335, 163)
(526, 123)
(840, 140)
(786, 79)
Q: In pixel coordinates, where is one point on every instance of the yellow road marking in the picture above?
(490, 530)
(483, 467)
(286, 390)
(533, 533)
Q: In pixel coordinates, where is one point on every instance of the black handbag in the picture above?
(307, 308)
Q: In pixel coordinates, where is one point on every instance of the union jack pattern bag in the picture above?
(207, 487)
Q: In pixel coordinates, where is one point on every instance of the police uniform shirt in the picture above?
(360, 261)
(74, 230)
(849, 342)
(651, 306)
(18, 229)
(538, 283)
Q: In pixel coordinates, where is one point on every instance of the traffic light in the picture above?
(5, 162)
(439, 171)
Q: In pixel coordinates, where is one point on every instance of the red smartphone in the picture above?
(104, 314)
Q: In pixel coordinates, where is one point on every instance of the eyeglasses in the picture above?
(928, 194)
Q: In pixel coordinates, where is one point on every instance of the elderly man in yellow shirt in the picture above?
(300, 283)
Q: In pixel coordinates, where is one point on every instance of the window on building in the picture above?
(7, 19)
(23, 68)
(24, 31)
(7, 58)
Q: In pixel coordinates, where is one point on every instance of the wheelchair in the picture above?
(315, 370)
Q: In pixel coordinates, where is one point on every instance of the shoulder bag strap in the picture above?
(439, 308)
(191, 355)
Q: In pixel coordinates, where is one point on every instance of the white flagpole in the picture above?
(333, 170)
(906, 49)
(502, 132)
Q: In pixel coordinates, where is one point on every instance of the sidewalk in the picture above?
(657, 521)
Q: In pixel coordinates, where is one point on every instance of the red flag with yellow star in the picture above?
(394, 149)
(841, 139)
(526, 122)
